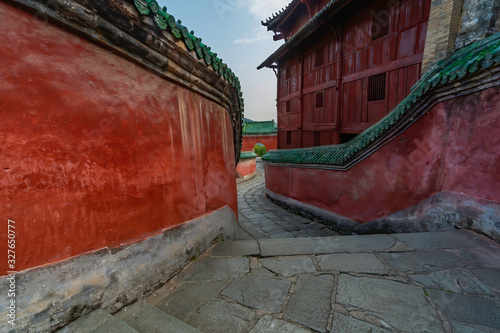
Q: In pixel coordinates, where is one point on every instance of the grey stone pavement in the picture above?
(263, 283)
(259, 218)
(426, 282)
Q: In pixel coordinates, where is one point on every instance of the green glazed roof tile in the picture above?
(245, 155)
(466, 61)
(259, 127)
(166, 21)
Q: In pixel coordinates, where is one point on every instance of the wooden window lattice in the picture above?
(376, 87)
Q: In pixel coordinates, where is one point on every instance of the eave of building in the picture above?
(260, 127)
(329, 10)
(274, 22)
(470, 69)
(260, 134)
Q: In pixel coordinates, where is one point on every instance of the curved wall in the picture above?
(97, 151)
(453, 148)
(246, 168)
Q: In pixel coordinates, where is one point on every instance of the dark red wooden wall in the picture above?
(341, 83)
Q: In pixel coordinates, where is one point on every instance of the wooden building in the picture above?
(344, 65)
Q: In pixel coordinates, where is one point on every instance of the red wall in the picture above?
(270, 141)
(452, 148)
(247, 167)
(97, 151)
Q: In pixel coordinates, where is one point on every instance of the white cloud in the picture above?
(260, 33)
(262, 9)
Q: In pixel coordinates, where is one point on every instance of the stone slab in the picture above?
(310, 303)
(289, 266)
(325, 245)
(146, 318)
(183, 301)
(220, 316)
(283, 234)
(440, 280)
(390, 301)
(342, 323)
(352, 262)
(257, 269)
(489, 276)
(454, 239)
(269, 324)
(424, 261)
(95, 321)
(460, 328)
(470, 284)
(457, 281)
(466, 309)
(262, 293)
(208, 269)
(236, 248)
(115, 325)
(482, 257)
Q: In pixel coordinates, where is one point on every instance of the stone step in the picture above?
(146, 318)
(98, 321)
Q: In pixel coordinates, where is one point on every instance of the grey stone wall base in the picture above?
(54, 295)
(443, 211)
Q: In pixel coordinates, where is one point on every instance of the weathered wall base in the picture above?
(54, 295)
(443, 211)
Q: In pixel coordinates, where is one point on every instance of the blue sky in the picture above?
(234, 31)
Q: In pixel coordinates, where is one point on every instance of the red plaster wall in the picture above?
(97, 151)
(452, 148)
(270, 141)
(247, 167)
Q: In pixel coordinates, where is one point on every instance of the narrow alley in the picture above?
(278, 278)
(261, 219)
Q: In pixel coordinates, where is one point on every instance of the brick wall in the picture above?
(480, 19)
(444, 24)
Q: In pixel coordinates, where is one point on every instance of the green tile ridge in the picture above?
(260, 127)
(245, 155)
(167, 22)
(466, 61)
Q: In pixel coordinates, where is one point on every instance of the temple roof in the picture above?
(278, 17)
(470, 61)
(308, 28)
(260, 127)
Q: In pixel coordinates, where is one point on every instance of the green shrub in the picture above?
(260, 149)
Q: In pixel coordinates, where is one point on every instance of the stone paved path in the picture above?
(425, 282)
(259, 218)
(263, 283)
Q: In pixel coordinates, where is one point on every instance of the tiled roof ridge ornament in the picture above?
(167, 22)
(277, 15)
(467, 61)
